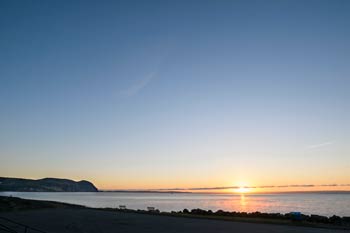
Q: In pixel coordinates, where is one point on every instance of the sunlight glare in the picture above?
(242, 189)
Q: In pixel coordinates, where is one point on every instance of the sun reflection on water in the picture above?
(243, 202)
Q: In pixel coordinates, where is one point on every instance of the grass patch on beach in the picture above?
(15, 203)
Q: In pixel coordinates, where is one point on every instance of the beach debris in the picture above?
(296, 216)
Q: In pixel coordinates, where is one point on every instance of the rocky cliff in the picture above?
(45, 185)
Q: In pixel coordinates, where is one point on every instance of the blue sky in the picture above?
(175, 93)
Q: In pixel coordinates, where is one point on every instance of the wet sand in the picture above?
(102, 221)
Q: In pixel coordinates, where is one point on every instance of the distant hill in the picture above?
(45, 185)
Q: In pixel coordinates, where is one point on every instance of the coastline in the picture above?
(12, 206)
(334, 204)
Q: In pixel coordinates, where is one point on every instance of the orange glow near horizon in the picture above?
(242, 190)
(250, 185)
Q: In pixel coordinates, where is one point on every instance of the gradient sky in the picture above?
(164, 94)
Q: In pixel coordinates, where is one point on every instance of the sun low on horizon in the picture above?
(242, 190)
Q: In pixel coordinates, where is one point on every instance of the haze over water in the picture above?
(307, 203)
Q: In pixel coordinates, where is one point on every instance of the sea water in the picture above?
(326, 204)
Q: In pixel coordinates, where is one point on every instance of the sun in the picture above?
(242, 189)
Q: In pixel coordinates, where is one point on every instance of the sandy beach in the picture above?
(101, 221)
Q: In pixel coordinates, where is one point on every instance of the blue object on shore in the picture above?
(296, 215)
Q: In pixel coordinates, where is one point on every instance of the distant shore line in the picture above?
(229, 193)
(185, 192)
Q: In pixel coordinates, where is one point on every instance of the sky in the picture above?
(176, 94)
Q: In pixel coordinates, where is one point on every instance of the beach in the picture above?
(50, 217)
(100, 221)
(325, 204)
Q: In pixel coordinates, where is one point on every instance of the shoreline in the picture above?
(14, 204)
(335, 204)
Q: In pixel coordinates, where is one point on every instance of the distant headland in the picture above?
(45, 185)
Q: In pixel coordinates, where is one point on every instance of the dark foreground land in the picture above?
(64, 218)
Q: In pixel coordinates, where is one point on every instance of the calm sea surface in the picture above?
(307, 203)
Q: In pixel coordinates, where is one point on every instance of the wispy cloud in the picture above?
(138, 85)
(320, 145)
